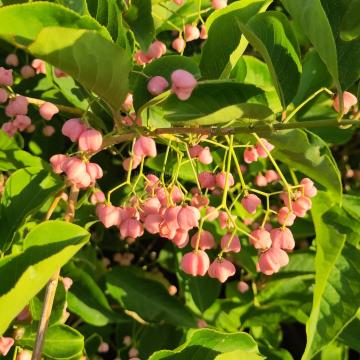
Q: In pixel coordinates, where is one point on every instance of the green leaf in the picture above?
(78, 47)
(61, 342)
(46, 248)
(239, 354)
(140, 20)
(308, 153)
(206, 344)
(164, 67)
(7, 142)
(25, 191)
(218, 56)
(147, 297)
(351, 205)
(86, 299)
(217, 102)
(271, 34)
(337, 282)
(17, 159)
(350, 27)
(79, 6)
(350, 335)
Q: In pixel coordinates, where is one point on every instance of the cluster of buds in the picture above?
(79, 171)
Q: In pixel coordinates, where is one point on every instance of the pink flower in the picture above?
(272, 260)
(260, 148)
(47, 110)
(282, 238)
(188, 217)
(349, 101)
(206, 240)
(250, 155)
(131, 228)
(309, 188)
(156, 50)
(4, 95)
(12, 60)
(221, 269)
(220, 179)
(39, 66)
(203, 32)
(178, 44)
(191, 32)
(145, 146)
(5, 345)
(171, 217)
(157, 85)
(183, 84)
(195, 263)
(90, 140)
(232, 245)
(27, 72)
(73, 128)
(97, 197)
(128, 102)
(286, 217)
(22, 122)
(6, 77)
(48, 130)
(242, 287)
(17, 106)
(109, 215)
(181, 238)
(260, 180)
(250, 203)
(260, 239)
(218, 4)
(57, 162)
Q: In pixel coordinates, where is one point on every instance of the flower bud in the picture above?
(286, 217)
(157, 85)
(221, 269)
(195, 263)
(90, 140)
(12, 60)
(145, 146)
(183, 84)
(260, 239)
(178, 44)
(47, 110)
(250, 155)
(191, 32)
(250, 203)
(6, 77)
(73, 128)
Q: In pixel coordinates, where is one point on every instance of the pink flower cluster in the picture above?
(79, 171)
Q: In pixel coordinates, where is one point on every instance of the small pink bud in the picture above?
(27, 72)
(157, 85)
(152, 223)
(282, 238)
(301, 205)
(250, 203)
(47, 110)
(206, 240)
(176, 194)
(6, 77)
(207, 180)
(181, 238)
(109, 215)
(57, 162)
(24, 314)
(212, 213)
(94, 171)
(178, 2)
(195, 263)
(17, 106)
(271, 176)
(183, 84)
(156, 50)
(309, 188)
(260, 148)
(151, 183)
(90, 140)
(145, 146)
(31, 128)
(73, 128)
(260, 180)
(134, 163)
(127, 340)
(191, 32)
(178, 44)
(24, 355)
(67, 283)
(131, 228)
(97, 197)
(205, 156)
(12, 60)
(223, 219)
(59, 73)
(39, 66)
(232, 245)
(151, 206)
(171, 217)
(242, 287)
(188, 217)
(260, 239)
(220, 179)
(250, 155)
(133, 352)
(48, 130)
(172, 290)
(103, 347)
(201, 324)
(128, 102)
(4, 95)
(286, 217)
(349, 101)
(221, 269)
(203, 32)
(9, 128)
(272, 260)
(199, 201)
(22, 122)
(195, 150)
(218, 4)
(5, 345)
(141, 58)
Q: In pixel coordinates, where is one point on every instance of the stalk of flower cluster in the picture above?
(53, 282)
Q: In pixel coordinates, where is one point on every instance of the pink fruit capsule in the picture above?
(109, 215)
(24, 355)
(286, 217)
(178, 44)
(141, 58)
(145, 146)
(221, 180)
(5, 344)
(9, 128)
(48, 130)
(221, 269)
(271, 176)
(152, 223)
(47, 110)
(178, 2)
(188, 217)
(75, 169)
(195, 263)
(157, 85)
(97, 197)
(230, 242)
(195, 150)
(94, 171)
(73, 128)
(260, 148)
(131, 228)
(309, 188)
(17, 106)
(206, 240)
(27, 72)
(90, 140)
(207, 180)
(181, 238)
(205, 156)
(4, 95)
(349, 101)
(260, 239)
(183, 84)
(260, 180)
(218, 4)
(59, 73)
(282, 238)
(301, 205)
(250, 203)
(134, 161)
(57, 162)
(6, 77)
(191, 32)
(22, 122)
(128, 102)
(12, 60)
(242, 287)
(156, 50)
(250, 155)
(39, 66)
(211, 213)
(203, 32)
(272, 260)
